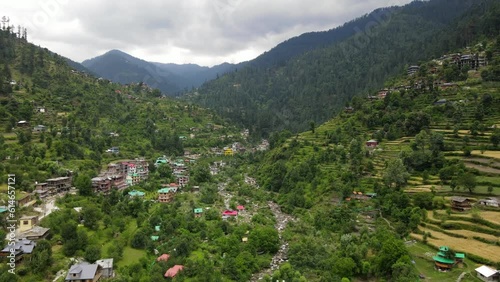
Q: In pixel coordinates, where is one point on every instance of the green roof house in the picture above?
(135, 193)
(444, 260)
(157, 228)
(155, 238)
(198, 212)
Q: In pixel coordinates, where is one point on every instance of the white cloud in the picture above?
(190, 31)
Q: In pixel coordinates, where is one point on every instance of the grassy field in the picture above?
(130, 256)
(490, 154)
(422, 255)
(491, 216)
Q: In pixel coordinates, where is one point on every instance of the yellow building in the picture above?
(228, 152)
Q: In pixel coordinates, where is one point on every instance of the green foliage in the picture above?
(92, 253)
(396, 174)
(315, 85)
(264, 239)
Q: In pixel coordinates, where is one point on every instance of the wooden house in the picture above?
(461, 203)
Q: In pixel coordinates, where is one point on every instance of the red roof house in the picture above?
(230, 213)
(240, 208)
(172, 272)
(163, 257)
(371, 143)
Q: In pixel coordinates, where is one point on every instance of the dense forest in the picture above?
(314, 86)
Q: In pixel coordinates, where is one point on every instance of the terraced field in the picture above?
(470, 244)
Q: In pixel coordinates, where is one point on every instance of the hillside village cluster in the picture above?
(119, 176)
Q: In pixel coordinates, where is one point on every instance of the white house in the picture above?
(487, 274)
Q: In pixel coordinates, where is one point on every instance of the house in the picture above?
(461, 203)
(161, 161)
(21, 249)
(113, 150)
(487, 274)
(240, 208)
(84, 272)
(157, 228)
(182, 180)
(490, 202)
(412, 70)
(348, 110)
(440, 102)
(40, 128)
(442, 260)
(59, 184)
(371, 143)
(35, 233)
(23, 123)
(382, 94)
(27, 222)
(163, 257)
(155, 238)
(107, 267)
(195, 188)
(198, 212)
(229, 213)
(360, 196)
(135, 193)
(23, 198)
(228, 152)
(174, 270)
(166, 195)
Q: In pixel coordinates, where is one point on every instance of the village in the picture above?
(124, 176)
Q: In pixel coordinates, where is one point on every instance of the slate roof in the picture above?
(82, 271)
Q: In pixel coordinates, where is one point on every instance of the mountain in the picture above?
(311, 87)
(172, 79)
(392, 162)
(74, 114)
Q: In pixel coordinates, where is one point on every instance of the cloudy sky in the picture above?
(204, 32)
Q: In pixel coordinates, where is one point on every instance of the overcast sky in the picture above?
(205, 32)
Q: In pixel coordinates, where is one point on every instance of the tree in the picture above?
(392, 250)
(468, 181)
(423, 200)
(92, 253)
(83, 183)
(396, 174)
(265, 239)
(41, 258)
(139, 240)
(201, 174)
(91, 216)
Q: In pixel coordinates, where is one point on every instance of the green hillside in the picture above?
(83, 116)
(437, 136)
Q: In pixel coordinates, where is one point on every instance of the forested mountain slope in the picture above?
(384, 170)
(313, 86)
(82, 116)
